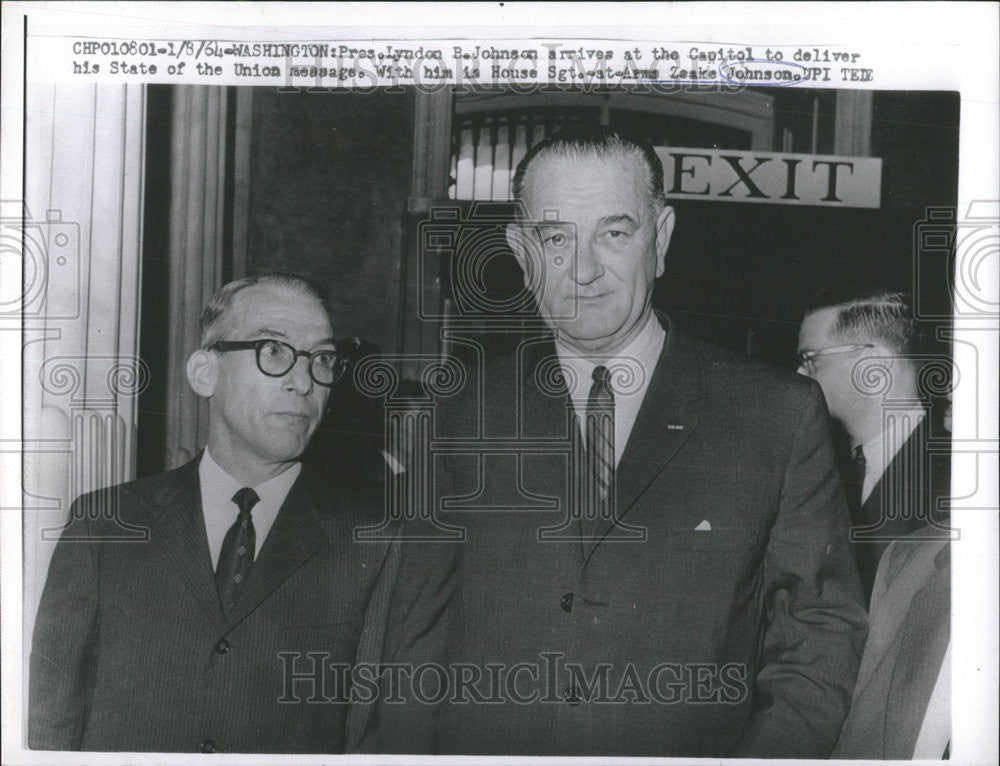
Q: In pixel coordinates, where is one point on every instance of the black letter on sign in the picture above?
(831, 188)
(744, 177)
(680, 170)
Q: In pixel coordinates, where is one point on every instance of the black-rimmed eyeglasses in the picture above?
(275, 358)
(808, 359)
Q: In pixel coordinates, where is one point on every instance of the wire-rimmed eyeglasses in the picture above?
(808, 358)
(275, 358)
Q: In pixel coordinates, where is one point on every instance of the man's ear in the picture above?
(518, 239)
(883, 353)
(664, 230)
(203, 372)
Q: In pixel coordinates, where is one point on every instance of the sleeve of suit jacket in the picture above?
(64, 636)
(815, 623)
(419, 622)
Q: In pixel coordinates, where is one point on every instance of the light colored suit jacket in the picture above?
(909, 635)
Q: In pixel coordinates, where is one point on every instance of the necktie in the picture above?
(236, 556)
(600, 434)
(866, 552)
(856, 480)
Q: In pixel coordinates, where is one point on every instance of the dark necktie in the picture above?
(856, 481)
(236, 556)
(600, 434)
(866, 552)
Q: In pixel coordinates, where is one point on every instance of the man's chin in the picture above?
(586, 337)
(289, 450)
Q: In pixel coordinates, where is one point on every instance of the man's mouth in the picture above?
(303, 416)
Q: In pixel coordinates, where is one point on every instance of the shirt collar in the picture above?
(880, 451)
(218, 487)
(901, 423)
(636, 362)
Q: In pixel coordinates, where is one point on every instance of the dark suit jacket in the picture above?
(912, 487)
(133, 653)
(910, 630)
(739, 617)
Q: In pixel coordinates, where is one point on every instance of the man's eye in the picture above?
(555, 240)
(273, 349)
(326, 358)
(616, 235)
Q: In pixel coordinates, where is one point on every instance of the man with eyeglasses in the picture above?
(862, 349)
(236, 625)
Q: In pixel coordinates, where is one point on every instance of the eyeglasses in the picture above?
(808, 358)
(275, 358)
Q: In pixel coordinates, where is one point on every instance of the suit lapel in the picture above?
(665, 422)
(178, 528)
(905, 466)
(546, 413)
(294, 537)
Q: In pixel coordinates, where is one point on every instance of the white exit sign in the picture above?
(773, 177)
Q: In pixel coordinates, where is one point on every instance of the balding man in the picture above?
(234, 626)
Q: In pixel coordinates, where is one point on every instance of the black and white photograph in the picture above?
(421, 383)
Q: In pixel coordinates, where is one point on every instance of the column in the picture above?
(197, 217)
(420, 284)
(81, 226)
(852, 129)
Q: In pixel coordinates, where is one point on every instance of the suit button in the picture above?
(567, 602)
(572, 695)
(222, 647)
(207, 746)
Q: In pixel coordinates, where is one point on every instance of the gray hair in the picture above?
(213, 317)
(879, 316)
(599, 141)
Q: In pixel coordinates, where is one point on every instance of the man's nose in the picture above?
(298, 378)
(588, 263)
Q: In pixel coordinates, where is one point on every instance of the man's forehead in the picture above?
(819, 324)
(275, 307)
(580, 172)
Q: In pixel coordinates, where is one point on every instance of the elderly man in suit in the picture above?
(861, 348)
(233, 626)
(677, 581)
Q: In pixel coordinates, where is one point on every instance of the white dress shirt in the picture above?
(631, 370)
(217, 490)
(880, 451)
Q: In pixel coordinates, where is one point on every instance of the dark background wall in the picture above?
(330, 174)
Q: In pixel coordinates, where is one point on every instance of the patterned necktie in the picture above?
(600, 433)
(236, 556)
